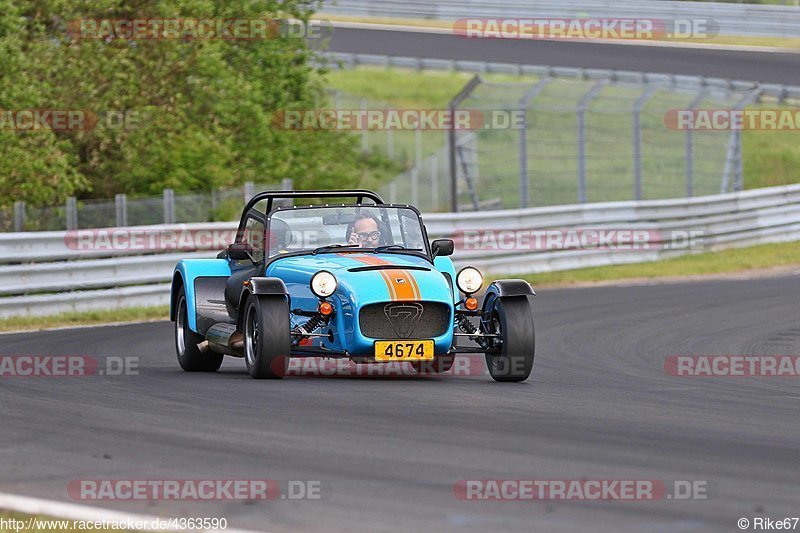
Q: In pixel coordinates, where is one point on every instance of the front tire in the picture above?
(190, 357)
(267, 341)
(509, 356)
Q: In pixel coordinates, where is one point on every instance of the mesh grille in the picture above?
(404, 320)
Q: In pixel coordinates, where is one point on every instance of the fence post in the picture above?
(637, 140)
(415, 186)
(451, 140)
(738, 170)
(418, 148)
(689, 148)
(434, 182)
(732, 165)
(121, 208)
(390, 143)
(583, 105)
(364, 129)
(524, 182)
(72, 213)
(249, 190)
(169, 206)
(393, 192)
(19, 215)
(287, 184)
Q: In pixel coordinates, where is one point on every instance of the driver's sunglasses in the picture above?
(368, 235)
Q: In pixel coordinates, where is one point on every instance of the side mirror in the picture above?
(442, 247)
(240, 251)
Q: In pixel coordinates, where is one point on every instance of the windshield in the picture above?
(329, 228)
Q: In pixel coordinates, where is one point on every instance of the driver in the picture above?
(365, 232)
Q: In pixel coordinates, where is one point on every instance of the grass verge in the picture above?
(736, 260)
(84, 318)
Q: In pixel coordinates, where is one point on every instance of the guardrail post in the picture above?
(637, 140)
(169, 206)
(524, 181)
(71, 209)
(19, 215)
(583, 105)
(121, 208)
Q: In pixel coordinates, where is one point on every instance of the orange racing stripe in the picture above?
(400, 282)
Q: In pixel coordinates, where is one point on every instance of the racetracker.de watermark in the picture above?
(196, 489)
(184, 238)
(23, 366)
(464, 365)
(585, 28)
(733, 366)
(778, 119)
(616, 239)
(29, 120)
(147, 239)
(580, 489)
(141, 29)
(399, 119)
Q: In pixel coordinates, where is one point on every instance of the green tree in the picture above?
(201, 110)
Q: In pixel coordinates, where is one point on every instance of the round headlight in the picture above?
(323, 284)
(469, 280)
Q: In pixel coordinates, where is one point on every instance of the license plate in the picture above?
(403, 350)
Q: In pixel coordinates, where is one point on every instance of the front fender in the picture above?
(185, 274)
(510, 287)
(260, 286)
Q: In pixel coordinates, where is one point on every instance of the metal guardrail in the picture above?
(732, 19)
(106, 279)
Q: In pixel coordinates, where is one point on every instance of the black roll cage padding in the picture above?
(271, 196)
(358, 194)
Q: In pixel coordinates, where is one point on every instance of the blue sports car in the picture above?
(350, 277)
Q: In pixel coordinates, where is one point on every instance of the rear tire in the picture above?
(267, 341)
(190, 357)
(510, 357)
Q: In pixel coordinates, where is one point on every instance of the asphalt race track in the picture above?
(769, 67)
(388, 451)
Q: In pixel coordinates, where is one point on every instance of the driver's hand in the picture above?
(353, 239)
